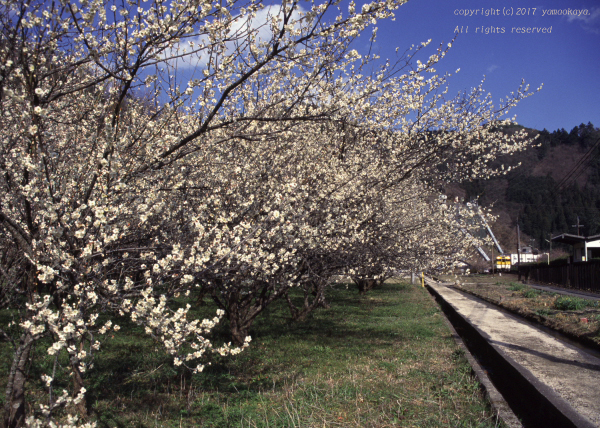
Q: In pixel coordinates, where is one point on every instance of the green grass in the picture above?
(515, 286)
(544, 312)
(569, 303)
(526, 291)
(386, 359)
(531, 293)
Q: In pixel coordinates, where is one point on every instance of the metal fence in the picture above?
(580, 276)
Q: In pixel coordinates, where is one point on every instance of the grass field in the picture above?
(386, 359)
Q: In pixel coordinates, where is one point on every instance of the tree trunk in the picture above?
(317, 291)
(14, 407)
(242, 310)
(238, 333)
(81, 407)
(365, 285)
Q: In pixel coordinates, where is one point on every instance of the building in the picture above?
(584, 247)
(527, 256)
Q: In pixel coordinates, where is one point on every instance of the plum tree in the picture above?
(152, 149)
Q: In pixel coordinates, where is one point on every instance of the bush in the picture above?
(568, 303)
(530, 293)
(515, 286)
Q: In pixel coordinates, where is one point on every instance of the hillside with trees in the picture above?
(555, 183)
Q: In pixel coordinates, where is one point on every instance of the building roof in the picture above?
(567, 238)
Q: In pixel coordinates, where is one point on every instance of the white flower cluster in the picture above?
(72, 421)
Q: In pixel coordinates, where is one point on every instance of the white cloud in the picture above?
(590, 23)
(242, 30)
(491, 68)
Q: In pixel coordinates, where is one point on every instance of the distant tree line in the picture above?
(545, 204)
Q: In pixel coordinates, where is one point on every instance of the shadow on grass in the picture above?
(134, 381)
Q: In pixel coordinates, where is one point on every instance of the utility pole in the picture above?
(578, 226)
(493, 259)
(518, 249)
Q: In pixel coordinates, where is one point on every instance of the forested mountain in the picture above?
(557, 182)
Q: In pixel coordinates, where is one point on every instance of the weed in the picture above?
(543, 312)
(569, 303)
(515, 286)
(530, 293)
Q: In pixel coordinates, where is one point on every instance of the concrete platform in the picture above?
(558, 384)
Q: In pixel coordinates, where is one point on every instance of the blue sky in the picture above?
(566, 60)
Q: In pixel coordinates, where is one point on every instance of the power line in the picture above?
(584, 159)
(588, 165)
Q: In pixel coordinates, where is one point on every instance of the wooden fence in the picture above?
(579, 276)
